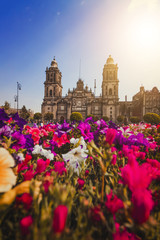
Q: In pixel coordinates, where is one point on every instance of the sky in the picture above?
(32, 32)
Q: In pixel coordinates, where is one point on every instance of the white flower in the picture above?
(76, 156)
(7, 177)
(40, 150)
(125, 131)
(80, 141)
(21, 157)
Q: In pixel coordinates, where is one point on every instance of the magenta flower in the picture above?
(26, 199)
(113, 203)
(59, 218)
(25, 223)
(135, 176)
(123, 235)
(28, 175)
(142, 205)
(59, 167)
(96, 213)
(114, 159)
(80, 183)
(42, 165)
(110, 135)
(85, 128)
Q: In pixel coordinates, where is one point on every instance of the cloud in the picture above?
(150, 4)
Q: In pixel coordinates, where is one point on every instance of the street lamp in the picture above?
(18, 88)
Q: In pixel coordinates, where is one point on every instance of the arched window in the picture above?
(54, 93)
(50, 93)
(110, 91)
(47, 92)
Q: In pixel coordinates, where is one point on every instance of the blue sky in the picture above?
(32, 32)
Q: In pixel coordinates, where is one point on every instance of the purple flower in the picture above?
(85, 131)
(20, 141)
(19, 121)
(29, 144)
(3, 115)
(5, 131)
(112, 125)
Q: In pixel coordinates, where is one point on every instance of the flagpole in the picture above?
(18, 88)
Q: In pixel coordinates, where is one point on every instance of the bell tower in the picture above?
(52, 88)
(110, 89)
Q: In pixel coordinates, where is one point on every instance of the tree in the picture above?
(152, 118)
(76, 116)
(37, 116)
(120, 119)
(134, 119)
(6, 105)
(105, 118)
(48, 116)
(24, 113)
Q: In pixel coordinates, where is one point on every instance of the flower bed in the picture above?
(86, 180)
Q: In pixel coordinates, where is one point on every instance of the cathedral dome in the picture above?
(110, 60)
(54, 63)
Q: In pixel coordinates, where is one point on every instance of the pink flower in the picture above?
(60, 140)
(29, 174)
(114, 159)
(113, 203)
(96, 213)
(110, 135)
(142, 205)
(123, 235)
(135, 176)
(80, 183)
(60, 168)
(42, 165)
(46, 185)
(35, 132)
(86, 173)
(59, 218)
(26, 199)
(25, 223)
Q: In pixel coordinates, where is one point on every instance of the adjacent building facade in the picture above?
(83, 100)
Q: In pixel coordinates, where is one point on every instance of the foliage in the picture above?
(120, 119)
(152, 118)
(24, 113)
(37, 116)
(95, 118)
(48, 116)
(134, 119)
(76, 116)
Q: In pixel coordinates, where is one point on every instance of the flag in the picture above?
(18, 86)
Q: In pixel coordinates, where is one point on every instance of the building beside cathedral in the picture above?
(83, 100)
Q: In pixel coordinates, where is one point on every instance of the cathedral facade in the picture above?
(81, 99)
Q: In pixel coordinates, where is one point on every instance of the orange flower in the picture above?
(7, 177)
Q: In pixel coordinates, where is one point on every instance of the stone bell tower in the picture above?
(110, 97)
(52, 88)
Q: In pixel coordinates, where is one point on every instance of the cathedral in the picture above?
(83, 100)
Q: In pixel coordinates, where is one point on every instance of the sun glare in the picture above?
(145, 33)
